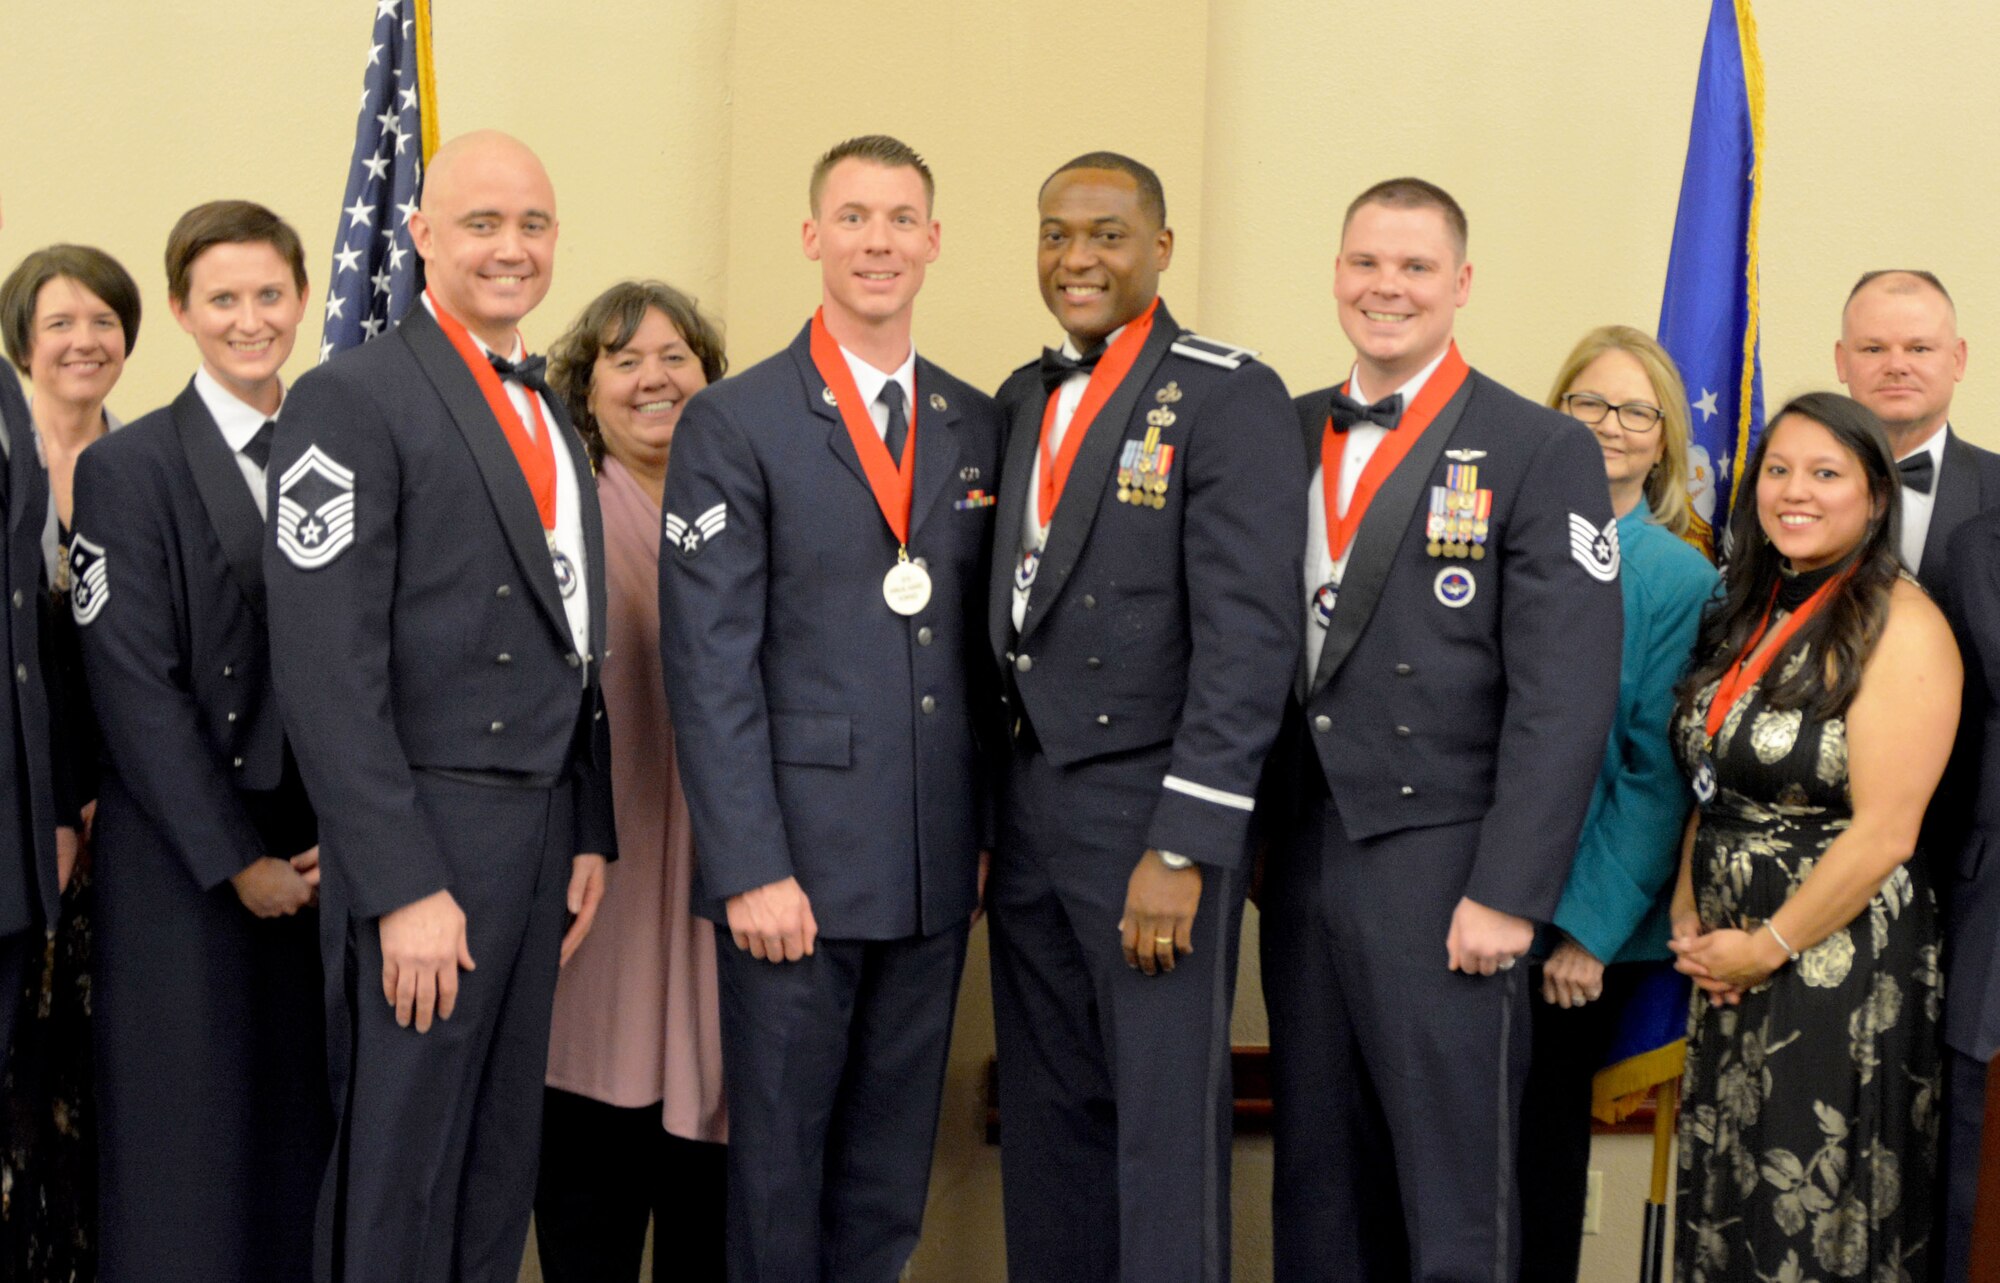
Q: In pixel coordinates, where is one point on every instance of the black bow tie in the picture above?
(1057, 366)
(527, 372)
(1919, 473)
(1347, 411)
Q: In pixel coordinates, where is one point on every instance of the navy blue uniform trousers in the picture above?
(1376, 1108)
(1115, 1094)
(835, 1065)
(417, 1110)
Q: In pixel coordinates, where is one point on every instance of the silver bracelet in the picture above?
(1790, 952)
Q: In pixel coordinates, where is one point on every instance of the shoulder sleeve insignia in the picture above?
(315, 510)
(1212, 351)
(89, 579)
(1594, 549)
(689, 536)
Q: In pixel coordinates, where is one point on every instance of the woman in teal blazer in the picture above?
(1611, 926)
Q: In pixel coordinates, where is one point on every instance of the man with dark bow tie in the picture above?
(1141, 616)
(435, 580)
(1900, 355)
(1463, 625)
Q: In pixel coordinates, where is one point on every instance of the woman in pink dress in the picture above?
(634, 1122)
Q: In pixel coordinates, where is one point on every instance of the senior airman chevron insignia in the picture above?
(89, 581)
(1595, 550)
(315, 510)
(690, 536)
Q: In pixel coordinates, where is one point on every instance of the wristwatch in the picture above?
(1173, 861)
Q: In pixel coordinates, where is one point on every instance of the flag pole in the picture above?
(1653, 1239)
(426, 82)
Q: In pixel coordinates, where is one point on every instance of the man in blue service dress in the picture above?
(435, 582)
(1142, 619)
(1463, 624)
(826, 525)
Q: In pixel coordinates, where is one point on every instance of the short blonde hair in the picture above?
(1667, 484)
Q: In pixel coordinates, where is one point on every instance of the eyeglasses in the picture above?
(1635, 416)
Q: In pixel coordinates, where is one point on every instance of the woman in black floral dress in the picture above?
(1814, 727)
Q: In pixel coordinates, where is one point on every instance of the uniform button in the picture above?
(1010, 656)
(503, 591)
(1093, 662)
(229, 670)
(1402, 732)
(1408, 791)
(925, 565)
(1404, 670)
(928, 704)
(503, 658)
(237, 762)
(924, 635)
(1024, 663)
(18, 599)
(1089, 602)
(231, 717)
(1104, 719)
(1322, 723)
(496, 728)
(21, 673)
(574, 662)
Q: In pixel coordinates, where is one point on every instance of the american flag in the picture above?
(376, 273)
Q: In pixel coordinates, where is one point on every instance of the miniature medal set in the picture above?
(1144, 465)
(1460, 514)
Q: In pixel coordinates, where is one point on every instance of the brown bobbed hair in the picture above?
(89, 267)
(608, 323)
(228, 222)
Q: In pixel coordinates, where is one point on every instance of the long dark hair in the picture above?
(1845, 631)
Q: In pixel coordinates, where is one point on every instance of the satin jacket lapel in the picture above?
(1017, 474)
(1382, 533)
(937, 447)
(592, 515)
(1958, 500)
(814, 390)
(232, 512)
(1091, 473)
(513, 502)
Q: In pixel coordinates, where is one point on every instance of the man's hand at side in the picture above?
(424, 947)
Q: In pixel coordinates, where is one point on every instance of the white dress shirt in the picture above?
(869, 381)
(239, 422)
(1917, 508)
(1362, 438)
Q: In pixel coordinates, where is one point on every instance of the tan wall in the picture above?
(679, 135)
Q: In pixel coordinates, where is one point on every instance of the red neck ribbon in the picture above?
(891, 483)
(1751, 665)
(1111, 370)
(536, 454)
(1437, 391)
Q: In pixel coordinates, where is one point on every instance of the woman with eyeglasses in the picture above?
(1611, 926)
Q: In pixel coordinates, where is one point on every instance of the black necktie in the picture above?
(258, 448)
(1057, 366)
(1347, 411)
(898, 429)
(1918, 472)
(527, 372)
